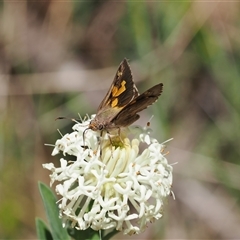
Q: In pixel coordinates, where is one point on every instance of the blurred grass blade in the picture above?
(52, 211)
(43, 232)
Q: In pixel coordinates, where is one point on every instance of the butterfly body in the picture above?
(120, 106)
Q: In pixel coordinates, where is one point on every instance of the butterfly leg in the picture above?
(119, 134)
(100, 143)
(110, 140)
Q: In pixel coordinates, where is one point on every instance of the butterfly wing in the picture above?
(121, 93)
(128, 114)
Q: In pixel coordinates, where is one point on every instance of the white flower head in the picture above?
(111, 184)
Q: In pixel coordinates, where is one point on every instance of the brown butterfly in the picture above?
(120, 106)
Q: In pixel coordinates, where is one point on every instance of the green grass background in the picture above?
(58, 58)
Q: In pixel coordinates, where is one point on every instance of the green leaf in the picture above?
(43, 232)
(88, 234)
(52, 211)
(110, 234)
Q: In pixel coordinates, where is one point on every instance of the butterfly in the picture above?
(121, 105)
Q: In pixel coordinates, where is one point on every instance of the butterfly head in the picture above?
(95, 125)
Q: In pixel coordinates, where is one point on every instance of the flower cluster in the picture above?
(111, 183)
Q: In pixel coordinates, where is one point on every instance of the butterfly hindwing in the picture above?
(128, 114)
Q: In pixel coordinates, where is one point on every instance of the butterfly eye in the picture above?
(100, 127)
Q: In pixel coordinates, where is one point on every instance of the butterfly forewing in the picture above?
(122, 91)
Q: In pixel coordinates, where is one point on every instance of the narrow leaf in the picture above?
(43, 232)
(51, 208)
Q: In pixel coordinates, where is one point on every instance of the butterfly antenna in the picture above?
(72, 119)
